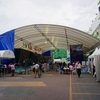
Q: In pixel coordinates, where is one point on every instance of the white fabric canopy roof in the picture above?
(6, 54)
(98, 52)
(49, 36)
(94, 53)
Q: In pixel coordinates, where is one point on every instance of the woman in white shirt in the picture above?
(78, 68)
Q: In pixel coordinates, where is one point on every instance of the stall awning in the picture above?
(6, 54)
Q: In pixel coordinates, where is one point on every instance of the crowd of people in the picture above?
(37, 68)
(68, 68)
(10, 68)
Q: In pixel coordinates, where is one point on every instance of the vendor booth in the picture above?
(5, 55)
(94, 59)
(91, 60)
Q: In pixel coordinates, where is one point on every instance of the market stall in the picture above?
(4, 56)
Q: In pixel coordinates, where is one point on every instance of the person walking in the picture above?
(4, 69)
(78, 68)
(37, 70)
(40, 69)
(33, 69)
(71, 68)
(12, 66)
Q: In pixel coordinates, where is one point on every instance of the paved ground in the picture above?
(51, 86)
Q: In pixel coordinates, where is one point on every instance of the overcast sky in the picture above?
(72, 13)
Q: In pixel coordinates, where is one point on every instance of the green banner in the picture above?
(59, 53)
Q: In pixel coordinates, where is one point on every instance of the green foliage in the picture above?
(99, 2)
(97, 35)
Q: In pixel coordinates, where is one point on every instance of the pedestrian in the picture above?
(12, 66)
(36, 66)
(78, 68)
(4, 68)
(94, 71)
(33, 69)
(71, 68)
(1, 67)
(40, 69)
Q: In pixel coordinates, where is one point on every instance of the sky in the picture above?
(72, 13)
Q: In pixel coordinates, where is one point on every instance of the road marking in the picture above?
(70, 90)
(85, 83)
(22, 84)
(47, 74)
(87, 93)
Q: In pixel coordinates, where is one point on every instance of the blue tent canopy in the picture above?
(7, 41)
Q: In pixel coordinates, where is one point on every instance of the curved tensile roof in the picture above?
(49, 36)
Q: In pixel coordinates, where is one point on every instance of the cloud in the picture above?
(72, 13)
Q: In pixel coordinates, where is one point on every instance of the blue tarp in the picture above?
(84, 70)
(7, 41)
(48, 53)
